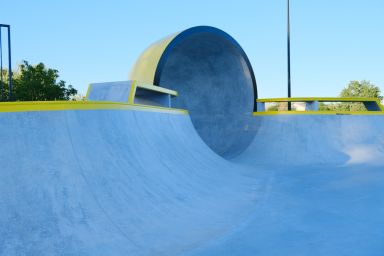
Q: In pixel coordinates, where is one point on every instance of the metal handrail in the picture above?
(312, 103)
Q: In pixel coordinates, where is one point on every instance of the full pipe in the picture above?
(187, 167)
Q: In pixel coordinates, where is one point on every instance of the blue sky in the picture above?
(333, 42)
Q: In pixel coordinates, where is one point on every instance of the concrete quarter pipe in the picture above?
(130, 172)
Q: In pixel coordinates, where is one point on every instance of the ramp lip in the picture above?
(376, 109)
(320, 99)
(199, 29)
(32, 106)
(272, 113)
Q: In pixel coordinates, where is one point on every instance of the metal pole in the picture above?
(289, 54)
(1, 66)
(10, 64)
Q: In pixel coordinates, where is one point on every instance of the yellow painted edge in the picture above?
(321, 99)
(267, 113)
(132, 92)
(157, 89)
(30, 106)
(88, 91)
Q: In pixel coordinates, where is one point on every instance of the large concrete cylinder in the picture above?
(215, 81)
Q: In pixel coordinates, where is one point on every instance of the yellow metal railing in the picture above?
(312, 105)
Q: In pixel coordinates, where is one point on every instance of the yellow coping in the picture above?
(28, 106)
(132, 92)
(88, 91)
(266, 113)
(321, 99)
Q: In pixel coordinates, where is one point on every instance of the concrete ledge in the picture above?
(132, 92)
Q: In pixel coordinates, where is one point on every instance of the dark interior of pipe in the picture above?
(216, 85)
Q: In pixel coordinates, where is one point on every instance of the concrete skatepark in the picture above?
(180, 160)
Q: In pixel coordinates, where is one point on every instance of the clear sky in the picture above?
(333, 41)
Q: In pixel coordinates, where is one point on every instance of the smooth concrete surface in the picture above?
(110, 91)
(126, 91)
(215, 82)
(316, 139)
(152, 98)
(113, 182)
(312, 210)
(325, 188)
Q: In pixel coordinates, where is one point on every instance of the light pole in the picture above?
(289, 54)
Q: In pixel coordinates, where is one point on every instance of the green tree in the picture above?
(361, 89)
(39, 83)
(4, 85)
(355, 89)
(280, 106)
(326, 107)
(273, 107)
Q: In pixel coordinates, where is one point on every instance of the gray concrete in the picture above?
(151, 98)
(113, 182)
(125, 182)
(215, 83)
(316, 140)
(110, 91)
(312, 105)
(120, 92)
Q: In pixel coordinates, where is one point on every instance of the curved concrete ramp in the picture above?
(215, 82)
(129, 182)
(113, 182)
(122, 178)
(312, 139)
(324, 193)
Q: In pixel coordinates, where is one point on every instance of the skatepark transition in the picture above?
(184, 159)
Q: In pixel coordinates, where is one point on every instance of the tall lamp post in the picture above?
(289, 54)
